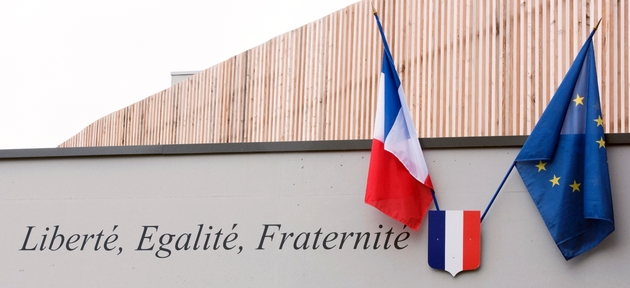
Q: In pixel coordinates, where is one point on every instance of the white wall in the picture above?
(304, 192)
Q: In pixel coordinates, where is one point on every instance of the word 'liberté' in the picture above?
(72, 242)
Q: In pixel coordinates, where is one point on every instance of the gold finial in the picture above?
(373, 8)
(596, 26)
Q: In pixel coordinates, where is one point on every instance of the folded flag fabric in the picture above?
(564, 162)
(454, 240)
(398, 181)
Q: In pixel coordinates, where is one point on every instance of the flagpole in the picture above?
(498, 189)
(437, 207)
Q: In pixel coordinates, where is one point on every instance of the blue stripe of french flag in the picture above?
(454, 240)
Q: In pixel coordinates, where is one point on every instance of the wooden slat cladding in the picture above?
(469, 68)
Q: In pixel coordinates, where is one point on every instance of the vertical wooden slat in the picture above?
(446, 67)
(528, 63)
(605, 72)
(345, 75)
(202, 106)
(321, 68)
(281, 89)
(362, 108)
(253, 92)
(195, 109)
(433, 31)
(468, 36)
(490, 114)
(624, 81)
(220, 118)
(614, 60)
(412, 54)
(352, 110)
(292, 94)
(543, 98)
(310, 79)
(479, 43)
(273, 91)
(339, 73)
(556, 47)
(332, 82)
(515, 116)
(536, 69)
(459, 66)
(496, 57)
(425, 94)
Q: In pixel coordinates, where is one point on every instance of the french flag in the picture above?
(454, 240)
(398, 181)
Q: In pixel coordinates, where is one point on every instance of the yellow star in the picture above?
(578, 100)
(555, 181)
(541, 166)
(599, 120)
(575, 186)
(601, 142)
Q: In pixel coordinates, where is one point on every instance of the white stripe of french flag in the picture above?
(454, 240)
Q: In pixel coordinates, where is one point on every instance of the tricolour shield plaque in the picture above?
(454, 240)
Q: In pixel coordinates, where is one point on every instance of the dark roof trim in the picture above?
(269, 147)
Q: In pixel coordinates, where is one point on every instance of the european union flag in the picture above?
(564, 165)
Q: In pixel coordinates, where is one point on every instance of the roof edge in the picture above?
(275, 147)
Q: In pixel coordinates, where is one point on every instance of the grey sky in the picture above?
(65, 64)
